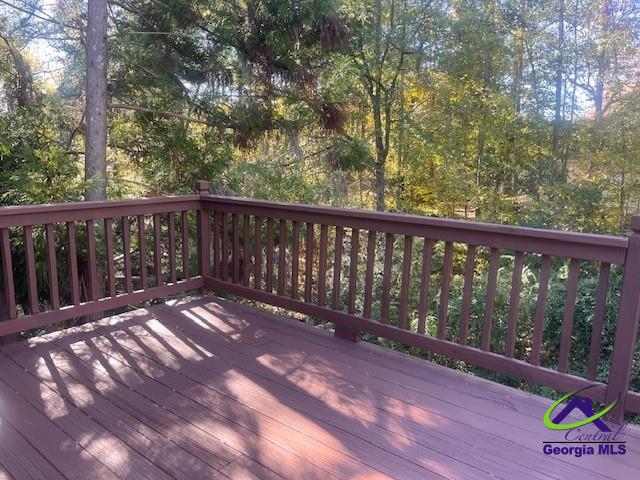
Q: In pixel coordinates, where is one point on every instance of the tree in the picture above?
(199, 78)
(384, 35)
(96, 101)
(558, 105)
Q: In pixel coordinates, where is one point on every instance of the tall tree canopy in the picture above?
(502, 111)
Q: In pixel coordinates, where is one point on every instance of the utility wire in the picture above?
(37, 9)
(34, 14)
(50, 19)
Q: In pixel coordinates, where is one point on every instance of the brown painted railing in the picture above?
(95, 223)
(322, 262)
(353, 268)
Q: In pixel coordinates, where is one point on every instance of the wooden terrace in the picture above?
(203, 387)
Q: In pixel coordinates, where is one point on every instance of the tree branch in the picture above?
(160, 113)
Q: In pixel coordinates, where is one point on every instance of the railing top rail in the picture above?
(586, 246)
(23, 215)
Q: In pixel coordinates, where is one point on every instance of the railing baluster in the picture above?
(492, 278)
(569, 309)
(224, 248)
(538, 328)
(216, 245)
(257, 255)
(142, 248)
(386, 278)
(173, 275)
(353, 269)
(7, 273)
(126, 248)
(186, 265)
(91, 261)
(108, 240)
(444, 289)
(337, 268)
(246, 252)
(514, 303)
(31, 270)
(295, 259)
(322, 266)
(235, 246)
(282, 252)
(157, 248)
(203, 232)
(269, 272)
(308, 264)
(425, 276)
(73, 263)
(368, 275)
(52, 266)
(467, 291)
(406, 278)
(598, 320)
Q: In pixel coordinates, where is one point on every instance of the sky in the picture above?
(48, 61)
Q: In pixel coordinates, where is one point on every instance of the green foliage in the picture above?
(349, 154)
(170, 156)
(34, 168)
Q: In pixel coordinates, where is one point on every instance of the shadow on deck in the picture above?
(205, 388)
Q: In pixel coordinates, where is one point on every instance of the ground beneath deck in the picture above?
(205, 388)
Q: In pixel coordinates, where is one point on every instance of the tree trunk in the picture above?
(602, 67)
(479, 154)
(558, 80)
(24, 78)
(296, 149)
(517, 81)
(605, 15)
(95, 161)
(96, 101)
(519, 60)
(379, 187)
(381, 154)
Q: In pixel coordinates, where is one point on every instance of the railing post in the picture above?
(204, 261)
(347, 333)
(627, 328)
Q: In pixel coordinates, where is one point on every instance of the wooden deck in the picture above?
(205, 388)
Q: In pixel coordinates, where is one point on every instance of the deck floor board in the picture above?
(179, 393)
(207, 388)
(372, 410)
(68, 456)
(269, 400)
(145, 410)
(372, 382)
(19, 459)
(151, 443)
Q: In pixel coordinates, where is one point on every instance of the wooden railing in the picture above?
(358, 270)
(103, 233)
(386, 274)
